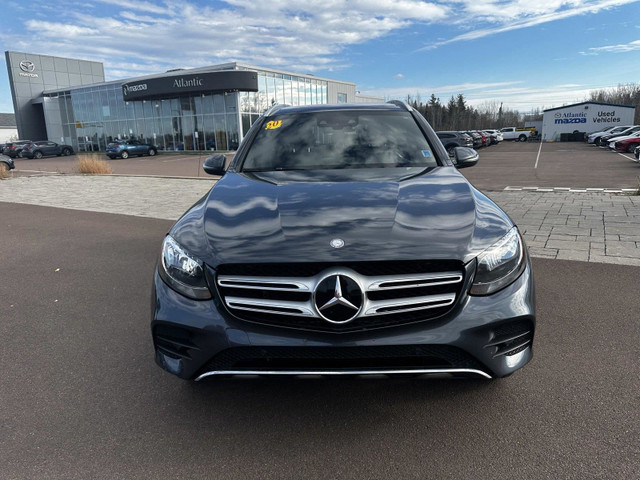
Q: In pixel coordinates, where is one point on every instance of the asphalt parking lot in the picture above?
(82, 398)
(163, 164)
(567, 165)
(508, 164)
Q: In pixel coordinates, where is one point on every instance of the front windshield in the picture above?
(338, 140)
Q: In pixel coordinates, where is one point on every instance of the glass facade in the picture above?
(275, 88)
(91, 117)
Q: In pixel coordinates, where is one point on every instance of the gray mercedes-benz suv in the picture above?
(343, 240)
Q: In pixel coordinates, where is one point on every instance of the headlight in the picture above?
(499, 265)
(182, 271)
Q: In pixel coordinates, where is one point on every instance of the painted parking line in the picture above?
(628, 158)
(538, 157)
(35, 171)
(570, 190)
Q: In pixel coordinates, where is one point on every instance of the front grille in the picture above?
(343, 358)
(393, 293)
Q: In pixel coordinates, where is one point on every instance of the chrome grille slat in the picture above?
(413, 281)
(281, 307)
(273, 283)
(409, 304)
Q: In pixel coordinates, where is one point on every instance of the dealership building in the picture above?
(68, 101)
(565, 123)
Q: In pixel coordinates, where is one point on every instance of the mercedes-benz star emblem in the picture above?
(337, 243)
(338, 298)
(27, 66)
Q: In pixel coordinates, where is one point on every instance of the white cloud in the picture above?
(291, 34)
(513, 94)
(137, 37)
(295, 35)
(425, 91)
(140, 6)
(620, 48)
(515, 15)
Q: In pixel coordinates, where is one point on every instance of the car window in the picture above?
(337, 140)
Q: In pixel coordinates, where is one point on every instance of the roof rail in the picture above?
(272, 110)
(402, 104)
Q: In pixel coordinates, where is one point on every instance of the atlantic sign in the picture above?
(171, 85)
(602, 116)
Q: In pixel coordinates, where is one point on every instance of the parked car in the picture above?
(605, 139)
(343, 240)
(496, 136)
(13, 149)
(7, 162)
(451, 140)
(589, 137)
(595, 137)
(636, 154)
(486, 138)
(476, 137)
(625, 144)
(45, 149)
(126, 148)
(515, 133)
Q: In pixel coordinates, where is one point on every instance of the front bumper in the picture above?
(481, 336)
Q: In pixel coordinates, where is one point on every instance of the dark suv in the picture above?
(451, 140)
(342, 240)
(13, 149)
(45, 149)
(126, 148)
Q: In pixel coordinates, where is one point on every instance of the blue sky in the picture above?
(524, 53)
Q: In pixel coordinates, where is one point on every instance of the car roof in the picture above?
(283, 109)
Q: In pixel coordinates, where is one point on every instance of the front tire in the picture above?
(66, 152)
(124, 155)
(152, 152)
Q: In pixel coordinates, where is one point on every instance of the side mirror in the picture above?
(215, 165)
(465, 157)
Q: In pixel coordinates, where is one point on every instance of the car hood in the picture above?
(292, 217)
(591, 135)
(625, 137)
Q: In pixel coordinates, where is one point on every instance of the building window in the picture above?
(342, 98)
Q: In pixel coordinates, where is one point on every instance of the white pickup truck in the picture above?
(519, 134)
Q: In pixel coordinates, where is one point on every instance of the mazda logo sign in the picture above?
(27, 66)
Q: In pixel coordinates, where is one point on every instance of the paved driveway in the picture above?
(80, 395)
